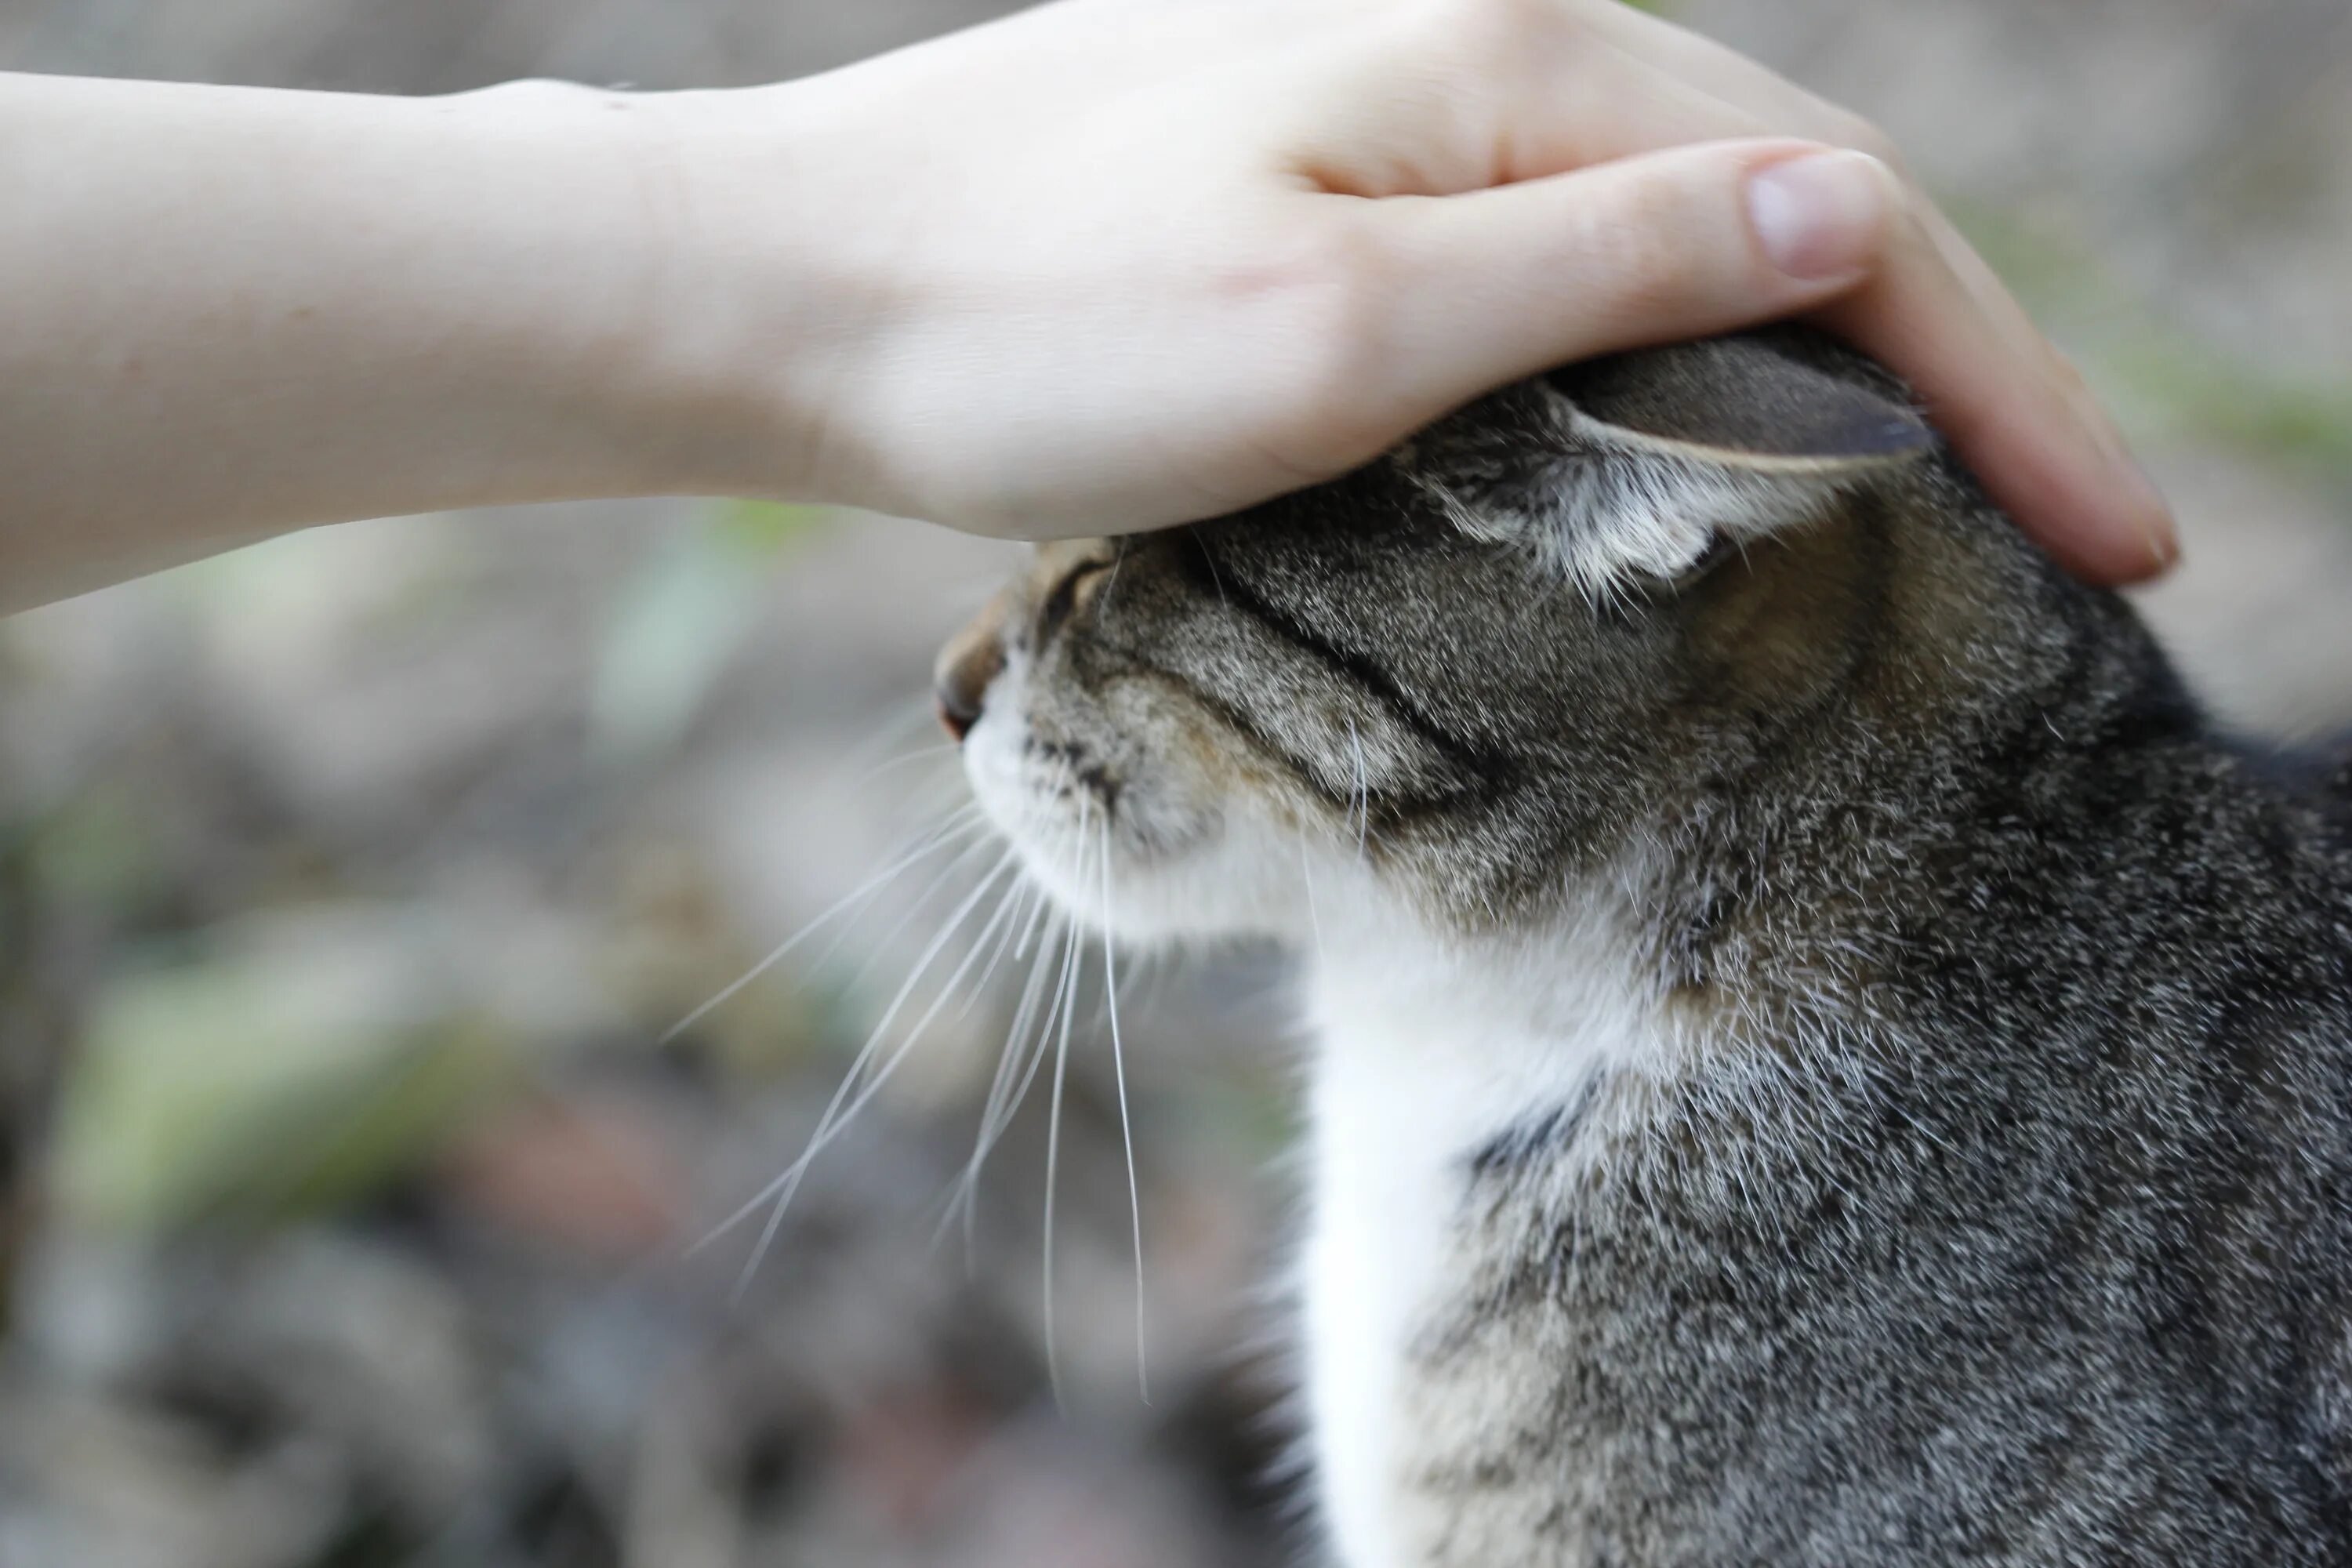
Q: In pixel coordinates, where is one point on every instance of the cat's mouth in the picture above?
(1118, 838)
(1054, 802)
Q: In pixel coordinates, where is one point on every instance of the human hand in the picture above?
(1111, 264)
(1106, 264)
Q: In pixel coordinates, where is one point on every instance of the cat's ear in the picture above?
(1639, 465)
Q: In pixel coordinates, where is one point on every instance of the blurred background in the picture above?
(350, 1196)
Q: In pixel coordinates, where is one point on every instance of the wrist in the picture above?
(743, 227)
(613, 335)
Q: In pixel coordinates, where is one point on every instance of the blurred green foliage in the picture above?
(682, 620)
(2163, 381)
(279, 1067)
(97, 849)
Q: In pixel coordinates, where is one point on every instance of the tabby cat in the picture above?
(1823, 1054)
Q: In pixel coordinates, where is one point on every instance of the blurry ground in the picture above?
(346, 885)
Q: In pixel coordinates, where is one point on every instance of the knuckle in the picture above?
(1496, 30)
(1643, 245)
(1326, 313)
(1331, 280)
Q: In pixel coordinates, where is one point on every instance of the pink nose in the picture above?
(971, 662)
(958, 714)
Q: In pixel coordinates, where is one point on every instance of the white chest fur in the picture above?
(1420, 1062)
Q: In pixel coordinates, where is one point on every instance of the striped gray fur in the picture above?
(1996, 1206)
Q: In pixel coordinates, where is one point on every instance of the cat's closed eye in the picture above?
(1063, 596)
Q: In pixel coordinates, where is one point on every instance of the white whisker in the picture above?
(1014, 896)
(955, 828)
(1126, 1126)
(1044, 903)
(992, 1126)
(837, 1116)
(1214, 576)
(1102, 600)
(917, 714)
(919, 753)
(783, 1187)
(1363, 791)
(880, 947)
(1065, 987)
(1054, 1122)
(1148, 977)
(1016, 1035)
(947, 994)
(1002, 1099)
(1307, 875)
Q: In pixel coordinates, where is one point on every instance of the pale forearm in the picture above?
(235, 312)
(1105, 265)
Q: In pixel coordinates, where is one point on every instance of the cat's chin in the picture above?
(1149, 862)
(1173, 876)
(1215, 886)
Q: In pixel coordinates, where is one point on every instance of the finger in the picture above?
(2013, 409)
(1410, 110)
(1672, 245)
(1111, 47)
(1607, 83)
(1740, 83)
(2016, 412)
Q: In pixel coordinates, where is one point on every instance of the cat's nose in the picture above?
(967, 667)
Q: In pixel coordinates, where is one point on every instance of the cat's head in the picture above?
(1455, 680)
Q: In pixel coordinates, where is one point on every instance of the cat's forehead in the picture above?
(1615, 476)
(1375, 513)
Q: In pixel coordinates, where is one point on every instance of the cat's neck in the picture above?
(1455, 1040)
(1434, 1054)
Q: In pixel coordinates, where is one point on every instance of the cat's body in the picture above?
(1901, 1297)
(1822, 1055)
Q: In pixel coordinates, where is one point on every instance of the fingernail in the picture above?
(2156, 523)
(2151, 517)
(1819, 216)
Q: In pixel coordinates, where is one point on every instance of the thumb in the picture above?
(1693, 240)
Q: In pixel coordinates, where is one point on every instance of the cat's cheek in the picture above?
(1030, 799)
(1157, 857)
(991, 764)
(1017, 791)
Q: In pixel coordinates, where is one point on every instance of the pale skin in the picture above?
(1108, 265)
